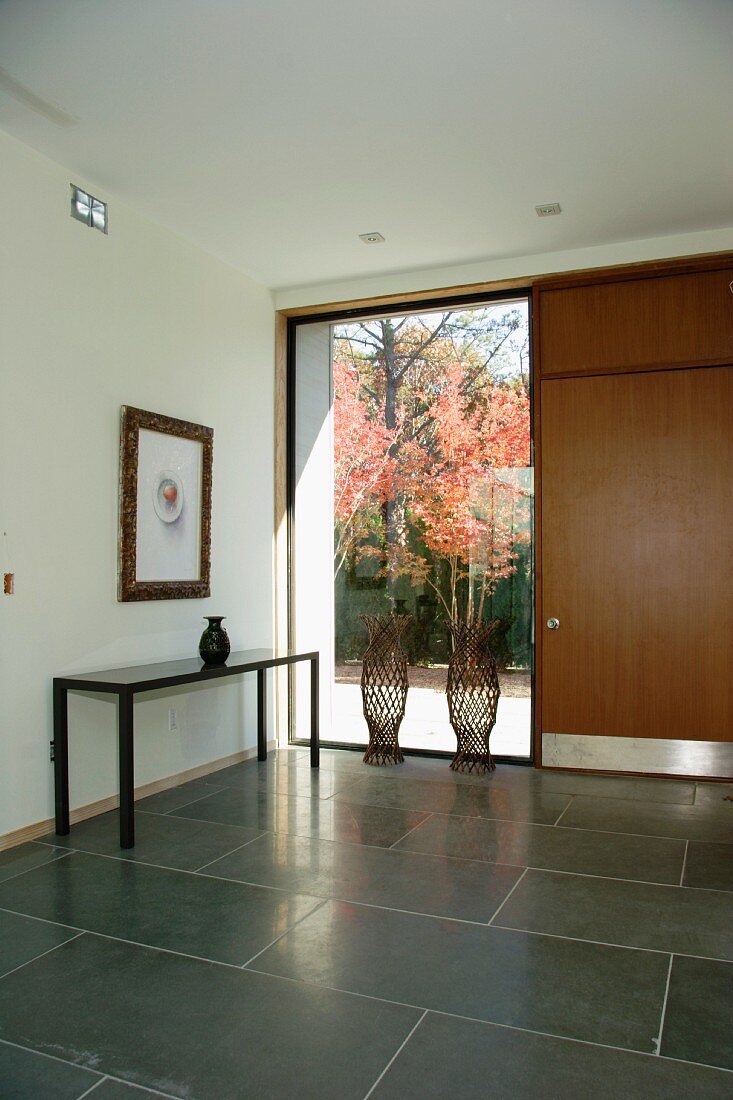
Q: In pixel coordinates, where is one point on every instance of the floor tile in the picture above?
(22, 939)
(25, 1075)
(579, 850)
(323, 818)
(418, 767)
(697, 1023)
(340, 760)
(709, 866)
(171, 799)
(472, 1061)
(452, 798)
(552, 781)
(198, 1029)
(401, 880)
(586, 991)
(633, 914)
(166, 841)
(719, 795)
(116, 1090)
(15, 861)
(619, 816)
(521, 777)
(304, 782)
(207, 917)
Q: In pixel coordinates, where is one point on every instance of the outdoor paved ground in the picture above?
(426, 724)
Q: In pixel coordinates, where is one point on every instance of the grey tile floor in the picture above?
(386, 933)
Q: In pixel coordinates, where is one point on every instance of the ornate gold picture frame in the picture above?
(165, 507)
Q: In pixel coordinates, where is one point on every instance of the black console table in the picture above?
(125, 683)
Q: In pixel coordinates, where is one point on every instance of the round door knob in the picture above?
(553, 624)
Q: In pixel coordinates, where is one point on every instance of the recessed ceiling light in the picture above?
(85, 208)
(371, 238)
(548, 209)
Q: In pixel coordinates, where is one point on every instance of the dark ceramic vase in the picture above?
(214, 647)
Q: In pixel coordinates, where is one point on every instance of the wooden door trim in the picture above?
(648, 269)
(644, 269)
(537, 533)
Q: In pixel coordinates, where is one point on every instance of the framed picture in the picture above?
(165, 507)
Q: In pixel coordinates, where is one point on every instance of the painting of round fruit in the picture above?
(168, 527)
(168, 496)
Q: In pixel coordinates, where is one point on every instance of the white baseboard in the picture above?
(638, 755)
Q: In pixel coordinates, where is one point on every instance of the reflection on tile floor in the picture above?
(398, 932)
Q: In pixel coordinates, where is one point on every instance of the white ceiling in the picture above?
(273, 132)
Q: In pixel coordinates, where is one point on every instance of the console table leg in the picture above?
(125, 746)
(61, 758)
(261, 714)
(315, 710)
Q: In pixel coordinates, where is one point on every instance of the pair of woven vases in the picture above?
(472, 690)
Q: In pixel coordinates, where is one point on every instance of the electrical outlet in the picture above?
(172, 720)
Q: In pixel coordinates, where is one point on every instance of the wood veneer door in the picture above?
(636, 555)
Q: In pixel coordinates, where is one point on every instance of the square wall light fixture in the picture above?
(85, 208)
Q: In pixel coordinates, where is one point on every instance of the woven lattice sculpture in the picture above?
(473, 695)
(384, 687)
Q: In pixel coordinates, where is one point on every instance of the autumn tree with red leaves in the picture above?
(430, 414)
(363, 467)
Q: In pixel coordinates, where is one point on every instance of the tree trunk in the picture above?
(394, 517)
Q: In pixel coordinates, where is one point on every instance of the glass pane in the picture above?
(426, 421)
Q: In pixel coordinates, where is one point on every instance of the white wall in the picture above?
(511, 267)
(88, 323)
(314, 521)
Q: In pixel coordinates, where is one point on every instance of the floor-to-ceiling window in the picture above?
(412, 492)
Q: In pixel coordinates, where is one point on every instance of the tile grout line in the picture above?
(349, 992)
(567, 828)
(396, 1054)
(173, 816)
(64, 852)
(394, 909)
(489, 1023)
(164, 813)
(118, 939)
(155, 866)
(42, 954)
(606, 878)
(572, 1039)
(491, 920)
(164, 950)
(76, 1065)
(290, 929)
(93, 1087)
(606, 943)
(322, 899)
(412, 830)
(658, 1040)
(225, 854)
(570, 802)
(379, 848)
(684, 863)
(41, 920)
